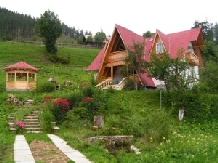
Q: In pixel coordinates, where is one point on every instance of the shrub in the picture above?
(47, 99)
(129, 84)
(61, 106)
(45, 87)
(88, 91)
(75, 98)
(87, 99)
(46, 117)
(82, 112)
(7, 38)
(72, 120)
(59, 59)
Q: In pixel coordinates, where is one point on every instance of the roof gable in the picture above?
(174, 42)
(181, 40)
(21, 65)
(128, 36)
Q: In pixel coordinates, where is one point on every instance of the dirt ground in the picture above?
(47, 152)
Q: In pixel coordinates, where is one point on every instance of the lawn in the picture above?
(158, 134)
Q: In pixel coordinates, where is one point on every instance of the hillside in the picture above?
(11, 53)
(158, 135)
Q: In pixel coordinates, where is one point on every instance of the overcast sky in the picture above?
(137, 15)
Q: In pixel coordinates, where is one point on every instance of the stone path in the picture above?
(23, 154)
(72, 154)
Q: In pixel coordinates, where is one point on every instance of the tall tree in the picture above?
(99, 38)
(208, 78)
(176, 74)
(207, 29)
(134, 61)
(49, 27)
(147, 34)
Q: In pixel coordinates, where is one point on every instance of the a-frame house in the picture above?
(111, 58)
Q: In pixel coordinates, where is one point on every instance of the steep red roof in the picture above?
(21, 65)
(172, 42)
(128, 36)
(148, 47)
(95, 65)
(145, 79)
(176, 41)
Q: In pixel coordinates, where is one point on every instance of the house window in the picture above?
(159, 48)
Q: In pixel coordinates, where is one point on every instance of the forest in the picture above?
(16, 26)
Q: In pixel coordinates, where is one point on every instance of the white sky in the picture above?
(139, 15)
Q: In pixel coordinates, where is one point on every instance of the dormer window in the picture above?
(159, 48)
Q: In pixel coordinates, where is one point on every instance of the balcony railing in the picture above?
(118, 55)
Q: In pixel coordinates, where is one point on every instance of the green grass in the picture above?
(130, 112)
(37, 56)
(39, 136)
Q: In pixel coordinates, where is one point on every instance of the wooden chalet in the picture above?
(111, 58)
(20, 77)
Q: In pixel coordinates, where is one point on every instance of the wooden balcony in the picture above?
(192, 59)
(117, 56)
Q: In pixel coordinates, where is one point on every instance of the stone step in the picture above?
(32, 126)
(11, 124)
(30, 120)
(31, 117)
(33, 129)
(10, 118)
(35, 112)
(31, 123)
(12, 129)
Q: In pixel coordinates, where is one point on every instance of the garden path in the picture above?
(23, 154)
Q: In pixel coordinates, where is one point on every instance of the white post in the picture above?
(160, 99)
(181, 114)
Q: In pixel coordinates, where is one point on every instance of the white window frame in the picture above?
(159, 48)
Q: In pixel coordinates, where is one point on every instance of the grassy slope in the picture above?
(124, 106)
(11, 53)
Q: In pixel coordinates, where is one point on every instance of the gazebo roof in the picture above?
(21, 65)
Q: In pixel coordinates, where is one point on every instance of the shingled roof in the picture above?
(20, 65)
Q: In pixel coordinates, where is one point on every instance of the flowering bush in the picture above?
(47, 99)
(63, 104)
(60, 109)
(87, 99)
(19, 126)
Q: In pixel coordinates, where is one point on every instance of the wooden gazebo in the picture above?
(20, 77)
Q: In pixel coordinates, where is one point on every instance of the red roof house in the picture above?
(111, 58)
